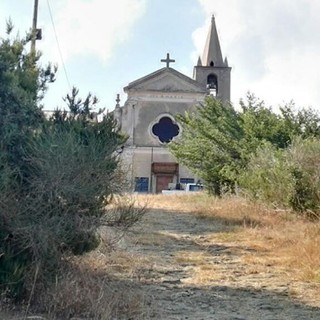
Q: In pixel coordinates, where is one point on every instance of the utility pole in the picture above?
(35, 33)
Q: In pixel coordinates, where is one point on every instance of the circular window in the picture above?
(165, 129)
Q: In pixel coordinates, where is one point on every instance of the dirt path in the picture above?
(190, 275)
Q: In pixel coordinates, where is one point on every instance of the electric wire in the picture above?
(59, 48)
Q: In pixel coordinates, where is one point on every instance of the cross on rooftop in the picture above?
(118, 98)
(168, 60)
(118, 101)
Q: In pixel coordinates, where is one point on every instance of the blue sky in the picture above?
(272, 46)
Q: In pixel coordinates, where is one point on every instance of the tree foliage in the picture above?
(56, 175)
(22, 86)
(210, 143)
(218, 141)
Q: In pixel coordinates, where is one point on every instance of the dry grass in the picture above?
(204, 272)
(279, 238)
(98, 285)
(293, 245)
(95, 286)
(153, 239)
(88, 294)
(232, 210)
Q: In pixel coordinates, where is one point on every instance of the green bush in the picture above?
(268, 176)
(304, 155)
(56, 175)
(287, 178)
(71, 164)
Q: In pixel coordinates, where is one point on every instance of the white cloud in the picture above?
(273, 47)
(93, 28)
(286, 79)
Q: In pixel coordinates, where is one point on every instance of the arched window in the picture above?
(212, 84)
(165, 129)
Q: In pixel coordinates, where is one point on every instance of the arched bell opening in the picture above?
(212, 84)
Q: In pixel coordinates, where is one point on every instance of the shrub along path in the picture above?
(194, 271)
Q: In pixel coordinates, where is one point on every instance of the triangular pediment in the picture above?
(166, 80)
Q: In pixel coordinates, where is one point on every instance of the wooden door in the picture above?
(163, 181)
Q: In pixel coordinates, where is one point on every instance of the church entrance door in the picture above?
(163, 181)
(164, 173)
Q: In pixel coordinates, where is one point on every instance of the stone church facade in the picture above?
(148, 115)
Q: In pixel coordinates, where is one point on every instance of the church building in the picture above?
(148, 115)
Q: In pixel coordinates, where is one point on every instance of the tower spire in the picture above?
(212, 71)
(212, 55)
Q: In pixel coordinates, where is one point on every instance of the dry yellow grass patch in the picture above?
(192, 257)
(204, 271)
(118, 263)
(176, 202)
(87, 294)
(293, 245)
(233, 210)
(279, 238)
(153, 239)
(302, 249)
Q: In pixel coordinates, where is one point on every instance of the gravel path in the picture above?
(190, 276)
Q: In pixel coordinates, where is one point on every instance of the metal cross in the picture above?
(168, 60)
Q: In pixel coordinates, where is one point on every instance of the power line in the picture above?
(59, 49)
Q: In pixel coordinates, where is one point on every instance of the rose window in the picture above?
(165, 129)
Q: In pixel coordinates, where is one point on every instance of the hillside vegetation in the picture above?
(65, 246)
(57, 175)
(188, 252)
(267, 155)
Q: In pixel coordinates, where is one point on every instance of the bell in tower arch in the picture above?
(212, 84)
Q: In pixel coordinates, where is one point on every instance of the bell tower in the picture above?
(211, 70)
